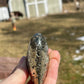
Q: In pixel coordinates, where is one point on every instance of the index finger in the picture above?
(53, 67)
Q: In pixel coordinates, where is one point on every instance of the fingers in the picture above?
(19, 75)
(53, 54)
(22, 64)
(53, 67)
(21, 69)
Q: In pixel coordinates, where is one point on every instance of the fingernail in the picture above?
(49, 51)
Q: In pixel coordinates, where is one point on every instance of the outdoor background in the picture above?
(64, 32)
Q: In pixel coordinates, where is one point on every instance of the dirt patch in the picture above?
(7, 64)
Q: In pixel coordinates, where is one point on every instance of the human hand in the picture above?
(20, 73)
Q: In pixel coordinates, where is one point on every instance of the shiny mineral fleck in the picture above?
(37, 58)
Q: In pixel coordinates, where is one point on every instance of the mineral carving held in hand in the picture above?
(37, 58)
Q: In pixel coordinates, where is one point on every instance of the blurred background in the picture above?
(60, 21)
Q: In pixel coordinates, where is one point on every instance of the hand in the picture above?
(20, 73)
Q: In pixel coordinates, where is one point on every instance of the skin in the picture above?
(20, 74)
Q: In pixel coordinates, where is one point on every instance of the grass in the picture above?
(70, 7)
(58, 30)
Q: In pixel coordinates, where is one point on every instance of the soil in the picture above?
(7, 64)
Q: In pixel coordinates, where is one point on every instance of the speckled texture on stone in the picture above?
(38, 57)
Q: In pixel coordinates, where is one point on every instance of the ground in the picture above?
(61, 32)
(7, 66)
